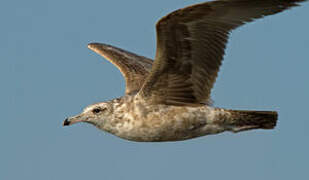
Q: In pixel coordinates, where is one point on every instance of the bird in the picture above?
(169, 98)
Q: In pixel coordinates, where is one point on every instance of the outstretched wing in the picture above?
(190, 47)
(134, 68)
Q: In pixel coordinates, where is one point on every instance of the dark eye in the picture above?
(98, 110)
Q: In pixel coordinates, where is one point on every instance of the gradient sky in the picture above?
(47, 73)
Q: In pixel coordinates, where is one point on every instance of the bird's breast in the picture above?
(145, 122)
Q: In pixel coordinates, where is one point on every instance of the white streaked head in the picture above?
(96, 114)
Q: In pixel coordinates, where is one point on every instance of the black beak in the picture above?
(66, 122)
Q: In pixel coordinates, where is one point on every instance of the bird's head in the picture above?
(96, 114)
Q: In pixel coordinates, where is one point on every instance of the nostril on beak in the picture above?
(66, 122)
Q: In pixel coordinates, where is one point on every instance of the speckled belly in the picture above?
(171, 123)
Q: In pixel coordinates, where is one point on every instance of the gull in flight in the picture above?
(168, 99)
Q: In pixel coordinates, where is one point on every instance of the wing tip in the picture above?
(93, 45)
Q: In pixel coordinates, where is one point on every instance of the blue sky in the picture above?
(47, 73)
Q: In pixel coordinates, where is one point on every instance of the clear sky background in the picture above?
(47, 73)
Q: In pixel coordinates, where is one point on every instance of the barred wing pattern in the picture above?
(191, 44)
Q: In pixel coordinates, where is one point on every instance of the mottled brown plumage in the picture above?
(133, 67)
(169, 99)
(190, 47)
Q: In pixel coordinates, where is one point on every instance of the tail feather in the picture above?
(244, 120)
